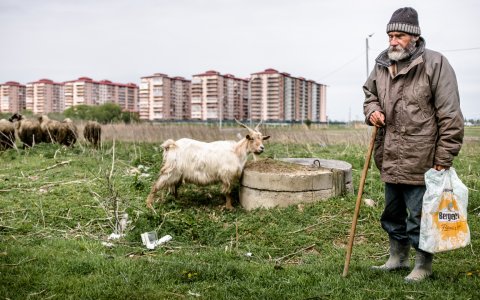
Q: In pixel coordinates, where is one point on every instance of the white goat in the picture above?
(191, 161)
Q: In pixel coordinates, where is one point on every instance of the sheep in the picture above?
(64, 133)
(67, 133)
(93, 133)
(28, 131)
(191, 161)
(49, 129)
(7, 135)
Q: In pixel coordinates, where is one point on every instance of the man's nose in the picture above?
(393, 42)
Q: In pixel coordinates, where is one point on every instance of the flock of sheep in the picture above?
(44, 130)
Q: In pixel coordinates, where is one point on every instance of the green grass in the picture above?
(56, 209)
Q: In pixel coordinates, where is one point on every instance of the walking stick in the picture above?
(359, 201)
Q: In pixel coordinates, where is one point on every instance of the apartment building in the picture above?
(12, 97)
(83, 91)
(164, 98)
(127, 96)
(276, 96)
(180, 98)
(218, 97)
(86, 91)
(267, 96)
(44, 96)
(236, 98)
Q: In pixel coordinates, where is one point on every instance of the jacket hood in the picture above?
(383, 60)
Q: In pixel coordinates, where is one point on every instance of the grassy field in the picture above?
(57, 209)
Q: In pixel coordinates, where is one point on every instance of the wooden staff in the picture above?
(359, 201)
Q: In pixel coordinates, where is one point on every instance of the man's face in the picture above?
(402, 45)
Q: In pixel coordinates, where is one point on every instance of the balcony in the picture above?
(211, 100)
(196, 100)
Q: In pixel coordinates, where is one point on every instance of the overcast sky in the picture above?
(122, 40)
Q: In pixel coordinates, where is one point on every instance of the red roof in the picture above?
(209, 73)
(181, 78)
(46, 81)
(104, 82)
(156, 75)
(84, 79)
(13, 83)
(267, 71)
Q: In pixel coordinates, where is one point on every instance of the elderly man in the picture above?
(412, 97)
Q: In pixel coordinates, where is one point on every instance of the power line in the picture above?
(356, 57)
(341, 67)
(448, 50)
(464, 49)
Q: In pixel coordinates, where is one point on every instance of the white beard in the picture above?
(397, 53)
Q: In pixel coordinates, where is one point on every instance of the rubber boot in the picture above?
(423, 267)
(399, 258)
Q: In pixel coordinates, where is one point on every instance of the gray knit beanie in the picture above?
(404, 20)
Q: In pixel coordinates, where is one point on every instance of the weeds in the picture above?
(58, 206)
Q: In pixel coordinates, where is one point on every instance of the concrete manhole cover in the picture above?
(279, 183)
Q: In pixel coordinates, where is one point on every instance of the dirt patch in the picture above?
(269, 165)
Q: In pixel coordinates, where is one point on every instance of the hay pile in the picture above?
(269, 165)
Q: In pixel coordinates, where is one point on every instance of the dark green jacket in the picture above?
(424, 123)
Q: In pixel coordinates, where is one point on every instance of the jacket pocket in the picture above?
(417, 154)
(421, 97)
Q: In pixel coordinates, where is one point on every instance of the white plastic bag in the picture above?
(444, 212)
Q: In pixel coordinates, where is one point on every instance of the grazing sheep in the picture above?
(93, 133)
(191, 161)
(7, 134)
(67, 133)
(64, 133)
(49, 128)
(28, 131)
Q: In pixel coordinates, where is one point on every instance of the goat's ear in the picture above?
(248, 137)
(266, 137)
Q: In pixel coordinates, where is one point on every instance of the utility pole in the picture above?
(366, 44)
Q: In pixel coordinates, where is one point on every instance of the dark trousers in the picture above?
(403, 209)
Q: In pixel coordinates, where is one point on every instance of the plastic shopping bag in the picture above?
(443, 224)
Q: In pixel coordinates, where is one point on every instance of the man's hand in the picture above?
(439, 168)
(377, 119)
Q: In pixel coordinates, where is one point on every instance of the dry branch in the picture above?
(278, 260)
(55, 165)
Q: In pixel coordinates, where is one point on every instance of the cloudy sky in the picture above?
(123, 40)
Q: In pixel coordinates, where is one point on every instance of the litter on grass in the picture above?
(149, 239)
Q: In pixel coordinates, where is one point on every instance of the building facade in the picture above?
(164, 98)
(44, 96)
(218, 97)
(278, 97)
(86, 91)
(12, 97)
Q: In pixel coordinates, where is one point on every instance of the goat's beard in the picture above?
(397, 53)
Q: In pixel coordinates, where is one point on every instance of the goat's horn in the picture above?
(243, 125)
(258, 125)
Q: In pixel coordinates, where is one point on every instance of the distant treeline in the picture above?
(106, 113)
